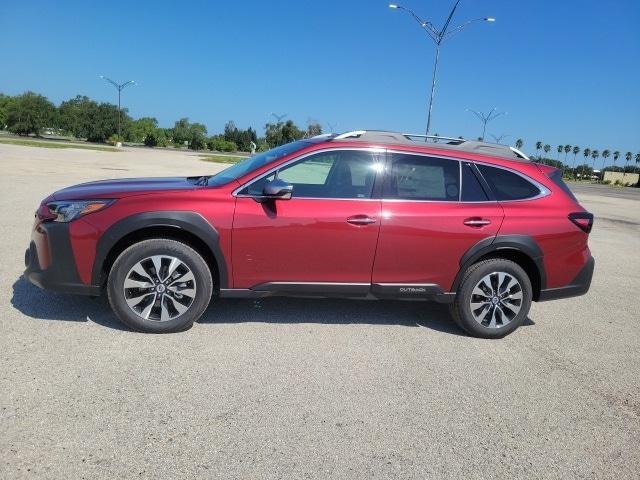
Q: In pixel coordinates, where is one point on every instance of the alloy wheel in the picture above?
(160, 288)
(496, 300)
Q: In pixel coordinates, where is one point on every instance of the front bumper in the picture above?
(579, 286)
(50, 263)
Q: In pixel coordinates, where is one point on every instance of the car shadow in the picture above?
(44, 305)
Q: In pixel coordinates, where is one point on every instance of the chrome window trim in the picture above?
(544, 191)
(302, 157)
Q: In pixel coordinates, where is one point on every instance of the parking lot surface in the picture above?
(284, 388)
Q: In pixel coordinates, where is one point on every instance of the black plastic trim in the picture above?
(412, 291)
(521, 243)
(191, 222)
(62, 274)
(579, 286)
(322, 289)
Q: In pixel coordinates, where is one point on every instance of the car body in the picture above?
(361, 215)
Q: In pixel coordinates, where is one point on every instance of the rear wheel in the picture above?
(159, 286)
(493, 299)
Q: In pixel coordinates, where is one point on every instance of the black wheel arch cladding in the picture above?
(523, 244)
(190, 222)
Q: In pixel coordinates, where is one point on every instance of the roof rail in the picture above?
(460, 144)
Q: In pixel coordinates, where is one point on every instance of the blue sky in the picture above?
(566, 72)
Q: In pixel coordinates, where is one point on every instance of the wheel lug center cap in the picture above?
(495, 300)
(160, 288)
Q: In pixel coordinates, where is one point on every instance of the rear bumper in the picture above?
(60, 273)
(579, 286)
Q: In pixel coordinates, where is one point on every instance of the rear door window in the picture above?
(508, 185)
(417, 177)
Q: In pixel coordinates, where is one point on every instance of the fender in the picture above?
(191, 222)
(520, 243)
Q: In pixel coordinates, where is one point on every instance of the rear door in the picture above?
(326, 233)
(433, 210)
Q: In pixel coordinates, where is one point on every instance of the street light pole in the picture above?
(119, 87)
(438, 37)
(486, 117)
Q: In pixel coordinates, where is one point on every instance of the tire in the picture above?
(482, 283)
(178, 296)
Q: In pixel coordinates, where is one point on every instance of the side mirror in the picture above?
(277, 190)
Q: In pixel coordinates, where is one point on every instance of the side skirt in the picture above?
(376, 291)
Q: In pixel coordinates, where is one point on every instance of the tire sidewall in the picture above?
(147, 248)
(476, 273)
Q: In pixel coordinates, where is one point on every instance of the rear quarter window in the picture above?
(508, 185)
(556, 177)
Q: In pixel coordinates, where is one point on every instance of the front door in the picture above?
(325, 234)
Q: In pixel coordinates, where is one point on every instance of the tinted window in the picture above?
(556, 176)
(415, 177)
(472, 190)
(333, 174)
(507, 185)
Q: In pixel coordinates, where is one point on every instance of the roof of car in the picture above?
(445, 143)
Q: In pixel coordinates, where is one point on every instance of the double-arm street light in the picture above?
(486, 118)
(119, 87)
(439, 36)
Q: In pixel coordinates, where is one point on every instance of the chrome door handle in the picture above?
(361, 220)
(477, 222)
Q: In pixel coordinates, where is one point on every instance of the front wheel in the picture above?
(493, 299)
(159, 286)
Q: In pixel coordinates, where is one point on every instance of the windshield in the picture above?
(255, 162)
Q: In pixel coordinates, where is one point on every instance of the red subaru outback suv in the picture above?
(365, 214)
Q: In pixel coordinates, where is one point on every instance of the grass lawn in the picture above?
(222, 158)
(56, 144)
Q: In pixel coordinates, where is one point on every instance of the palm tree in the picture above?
(567, 149)
(616, 156)
(576, 151)
(594, 154)
(538, 147)
(627, 157)
(519, 143)
(605, 154)
(586, 153)
(547, 149)
(560, 148)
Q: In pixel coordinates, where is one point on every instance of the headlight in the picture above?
(65, 211)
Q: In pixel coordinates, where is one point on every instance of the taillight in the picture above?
(584, 220)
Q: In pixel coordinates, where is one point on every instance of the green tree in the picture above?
(282, 132)
(30, 113)
(627, 157)
(313, 129)
(85, 118)
(576, 151)
(4, 104)
(594, 155)
(194, 134)
(586, 153)
(547, 149)
(605, 154)
(559, 150)
(157, 138)
(137, 130)
(218, 143)
(539, 146)
(519, 143)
